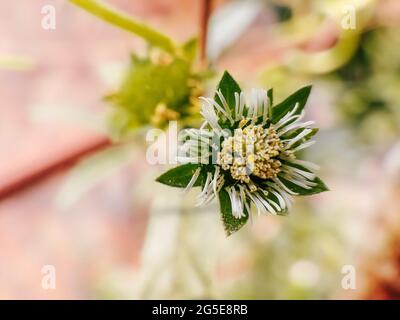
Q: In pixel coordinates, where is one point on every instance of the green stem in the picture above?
(123, 21)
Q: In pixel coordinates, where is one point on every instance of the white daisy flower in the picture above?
(246, 153)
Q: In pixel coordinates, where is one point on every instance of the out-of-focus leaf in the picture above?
(91, 171)
(282, 12)
(327, 60)
(190, 48)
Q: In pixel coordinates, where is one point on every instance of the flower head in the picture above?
(246, 153)
(252, 150)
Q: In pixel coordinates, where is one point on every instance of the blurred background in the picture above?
(76, 191)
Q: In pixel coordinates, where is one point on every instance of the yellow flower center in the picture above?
(251, 151)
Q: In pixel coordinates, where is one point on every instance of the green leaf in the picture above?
(123, 21)
(231, 224)
(180, 176)
(270, 94)
(228, 87)
(320, 187)
(300, 97)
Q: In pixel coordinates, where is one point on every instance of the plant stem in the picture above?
(123, 21)
(42, 170)
(205, 12)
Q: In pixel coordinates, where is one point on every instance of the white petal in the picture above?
(241, 105)
(193, 180)
(282, 185)
(286, 118)
(306, 164)
(293, 126)
(215, 180)
(280, 198)
(237, 103)
(305, 174)
(304, 145)
(265, 203)
(301, 183)
(298, 137)
(224, 104)
(237, 205)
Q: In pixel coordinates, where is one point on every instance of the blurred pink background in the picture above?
(105, 229)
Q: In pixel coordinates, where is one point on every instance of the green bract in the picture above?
(152, 93)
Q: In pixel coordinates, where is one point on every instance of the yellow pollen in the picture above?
(243, 122)
(251, 151)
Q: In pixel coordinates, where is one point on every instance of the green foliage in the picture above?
(320, 187)
(231, 224)
(283, 13)
(299, 97)
(189, 49)
(180, 176)
(228, 87)
(270, 94)
(368, 95)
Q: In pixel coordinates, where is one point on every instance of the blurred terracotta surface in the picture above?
(66, 73)
(104, 230)
(101, 232)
